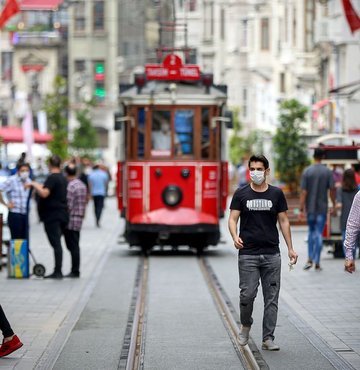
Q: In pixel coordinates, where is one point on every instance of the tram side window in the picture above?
(184, 130)
(205, 133)
(161, 134)
(141, 132)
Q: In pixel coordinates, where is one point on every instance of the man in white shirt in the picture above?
(161, 139)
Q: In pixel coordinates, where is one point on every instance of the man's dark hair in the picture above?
(259, 158)
(70, 170)
(319, 153)
(22, 164)
(357, 167)
(55, 161)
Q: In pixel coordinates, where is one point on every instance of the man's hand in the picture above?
(10, 205)
(349, 266)
(293, 257)
(301, 215)
(28, 185)
(238, 243)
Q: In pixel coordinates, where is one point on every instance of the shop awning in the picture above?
(40, 4)
(15, 135)
(320, 104)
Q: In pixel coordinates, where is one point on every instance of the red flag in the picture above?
(11, 8)
(351, 16)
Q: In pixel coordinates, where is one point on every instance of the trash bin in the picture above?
(18, 259)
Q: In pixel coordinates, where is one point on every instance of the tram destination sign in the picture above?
(172, 69)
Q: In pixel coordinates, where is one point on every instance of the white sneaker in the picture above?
(269, 345)
(243, 336)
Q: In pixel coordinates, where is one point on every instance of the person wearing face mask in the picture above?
(161, 139)
(259, 206)
(17, 196)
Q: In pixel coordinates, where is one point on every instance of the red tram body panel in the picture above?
(172, 177)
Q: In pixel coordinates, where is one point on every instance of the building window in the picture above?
(80, 66)
(265, 37)
(294, 27)
(222, 24)
(79, 17)
(309, 24)
(6, 66)
(191, 4)
(98, 15)
(244, 33)
(208, 21)
(244, 103)
(282, 82)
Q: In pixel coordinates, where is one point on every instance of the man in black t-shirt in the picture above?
(259, 206)
(53, 210)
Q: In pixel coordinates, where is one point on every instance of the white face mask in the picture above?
(24, 175)
(257, 177)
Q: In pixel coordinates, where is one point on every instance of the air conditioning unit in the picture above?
(322, 31)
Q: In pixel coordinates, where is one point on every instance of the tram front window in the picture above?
(184, 128)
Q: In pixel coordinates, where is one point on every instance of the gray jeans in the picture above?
(266, 267)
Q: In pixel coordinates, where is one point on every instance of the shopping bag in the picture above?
(18, 259)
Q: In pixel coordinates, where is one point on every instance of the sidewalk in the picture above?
(328, 300)
(37, 308)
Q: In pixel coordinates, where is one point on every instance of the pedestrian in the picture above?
(98, 181)
(352, 234)
(243, 173)
(17, 195)
(316, 183)
(357, 174)
(76, 201)
(53, 210)
(11, 342)
(344, 198)
(259, 206)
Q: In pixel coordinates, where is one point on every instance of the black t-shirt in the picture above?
(54, 207)
(258, 218)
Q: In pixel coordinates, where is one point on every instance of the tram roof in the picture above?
(168, 92)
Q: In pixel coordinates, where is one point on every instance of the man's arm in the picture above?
(303, 195)
(39, 188)
(352, 232)
(286, 231)
(2, 201)
(232, 224)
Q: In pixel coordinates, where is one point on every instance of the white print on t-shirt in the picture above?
(259, 205)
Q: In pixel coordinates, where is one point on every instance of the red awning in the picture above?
(40, 4)
(320, 104)
(12, 134)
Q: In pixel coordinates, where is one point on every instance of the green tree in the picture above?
(56, 108)
(85, 136)
(241, 146)
(236, 141)
(289, 145)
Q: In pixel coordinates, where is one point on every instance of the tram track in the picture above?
(133, 350)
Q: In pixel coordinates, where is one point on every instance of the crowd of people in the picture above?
(62, 192)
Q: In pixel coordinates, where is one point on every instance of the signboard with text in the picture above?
(172, 69)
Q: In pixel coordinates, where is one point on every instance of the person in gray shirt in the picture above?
(316, 184)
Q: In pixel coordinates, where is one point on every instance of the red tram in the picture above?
(172, 181)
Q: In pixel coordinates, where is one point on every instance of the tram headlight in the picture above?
(172, 195)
